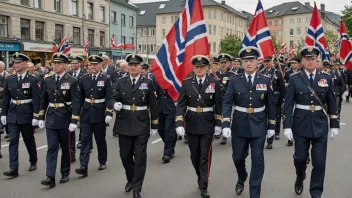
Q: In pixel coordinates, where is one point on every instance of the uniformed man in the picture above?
(307, 119)
(60, 102)
(224, 76)
(200, 103)
(77, 71)
(96, 96)
(253, 119)
(133, 95)
(294, 64)
(237, 69)
(338, 84)
(215, 67)
(20, 111)
(123, 70)
(278, 86)
(108, 71)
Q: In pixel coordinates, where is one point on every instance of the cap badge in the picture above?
(310, 49)
(248, 50)
(93, 58)
(17, 54)
(223, 55)
(133, 56)
(199, 58)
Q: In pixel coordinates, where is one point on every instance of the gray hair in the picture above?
(123, 63)
(2, 63)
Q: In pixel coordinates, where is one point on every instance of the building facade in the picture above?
(37, 24)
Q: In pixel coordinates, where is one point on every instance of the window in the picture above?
(222, 16)
(163, 33)
(102, 14)
(113, 17)
(306, 29)
(25, 2)
(162, 6)
(209, 14)
(214, 47)
(37, 4)
(146, 32)
(163, 20)
(292, 20)
(152, 32)
(274, 33)
(3, 26)
(270, 23)
(76, 35)
(214, 14)
(307, 19)
(131, 21)
(123, 39)
(59, 32)
(291, 32)
(298, 31)
(102, 39)
(142, 12)
(280, 32)
(280, 22)
(74, 8)
(139, 47)
(39, 31)
(298, 20)
(276, 22)
(57, 5)
(209, 30)
(214, 30)
(131, 40)
(123, 20)
(25, 29)
(90, 11)
(152, 48)
(174, 19)
(91, 37)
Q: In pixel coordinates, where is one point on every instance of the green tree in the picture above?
(347, 19)
(330, 37)
(275, 43)
(231, 44)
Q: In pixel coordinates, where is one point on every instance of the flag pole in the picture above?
(212, 67)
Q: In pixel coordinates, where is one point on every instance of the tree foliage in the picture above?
(231, 44)
(347, 18)
(330, 37)
(276, 44)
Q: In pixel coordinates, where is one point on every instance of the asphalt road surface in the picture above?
(177, 179)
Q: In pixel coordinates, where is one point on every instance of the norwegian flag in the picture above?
(86, 45)
(292, 49)
(64, 46)
(113, 44)
(186, 38)
(258, 34)
(345, 47)
(282, 49)
(315, 35)
(337, 43)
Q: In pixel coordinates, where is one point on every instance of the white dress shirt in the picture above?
(308, 74)
(252, 75)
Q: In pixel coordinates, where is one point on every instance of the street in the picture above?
(178, 179)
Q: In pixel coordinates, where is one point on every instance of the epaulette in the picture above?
(12, 74)
(71, 76)
(264, 76)
(47, 75)
(232, 72)
(326, 73)
(85, 74)
(211, 77)
(294, 73)
(190, 77)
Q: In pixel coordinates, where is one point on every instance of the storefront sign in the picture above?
(12, 47)
(77, 52)
(37, 47)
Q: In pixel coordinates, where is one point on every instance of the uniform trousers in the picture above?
(27, 132)
(133, 153)
(201, 152)
(54, 138)
(167, 132)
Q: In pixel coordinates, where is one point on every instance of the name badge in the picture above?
(143, 86)
(100, 84)
(261, 87)
(65, 86)
(323, 83)
(25, 85)
(210, 88)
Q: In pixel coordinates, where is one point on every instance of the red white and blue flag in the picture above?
(258, 34)
(345, 47)
(282, 49)
(292, 49)
(86, 45)
(315, 35)
(186, 38)
(64, 46)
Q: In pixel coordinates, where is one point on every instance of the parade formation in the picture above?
(244, 101)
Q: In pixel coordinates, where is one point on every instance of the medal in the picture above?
(262, 96)
(64, 92)
(25, 92)
(211, 97)
(143, 97)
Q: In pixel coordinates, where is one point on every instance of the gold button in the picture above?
(250, 104)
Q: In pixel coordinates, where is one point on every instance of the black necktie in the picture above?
(74, 74)
(94, 77)
(200, 84)
(311, 79)
(20, 78)
(57, 79)
(133, 83)
(250, 81)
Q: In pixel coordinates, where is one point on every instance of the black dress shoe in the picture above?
(102, 167)
(204, 193)
(79, 145)
(223, 141)
(240, 185)
(217, 136)
(136, 194)
(269, 146)
(64, 179)
(289, 143)
(73, 157)
(11, 173)
(32, 167)
(299, 185)
(166, 159)
(277, 137)
(179, 138)
(82, 171)
(49, 181)
(128, 187)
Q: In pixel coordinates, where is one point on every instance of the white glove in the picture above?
(345, 94)
(226, 132)
(41, 124)
(118, 106)
(288, 134)
(35, 122)
(3, 120)
(72, 127)
(217, 130)
(180, 131)
(270, 133)
(153, 132)
(334, 132)
(108, 119)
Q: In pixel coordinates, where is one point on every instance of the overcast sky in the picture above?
(249, 5)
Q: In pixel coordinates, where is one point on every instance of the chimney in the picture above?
(223, 2)
(307, 4)
(322, 11)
